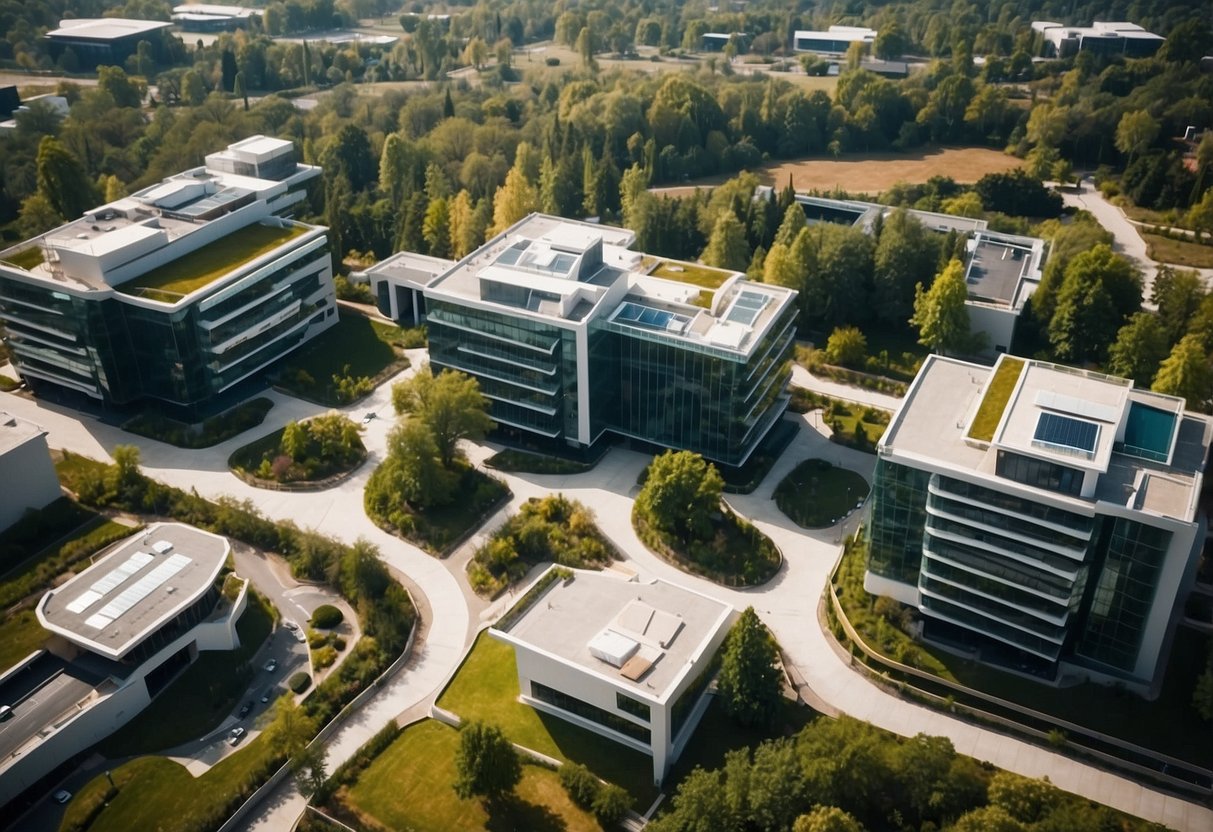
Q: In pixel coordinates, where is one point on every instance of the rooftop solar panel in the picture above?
(141, 589)
(1066, 433)
(120, 573)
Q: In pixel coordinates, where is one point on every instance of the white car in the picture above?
(271, 665)
(236, 735)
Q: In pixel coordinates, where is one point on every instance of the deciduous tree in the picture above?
(1140, 347)
(1186, 372)
(450, 404)
(940, 313)
(486, 763)
(681, 494)
(749, 684)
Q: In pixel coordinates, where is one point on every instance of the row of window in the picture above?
(578, 707)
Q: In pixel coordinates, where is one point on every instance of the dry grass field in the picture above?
(874, 172)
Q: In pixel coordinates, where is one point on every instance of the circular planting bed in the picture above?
(817, 494)
(318, 453)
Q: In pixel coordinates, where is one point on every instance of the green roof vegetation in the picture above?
(186, 274)
(998, 393)
(26, 258)
(697, 275)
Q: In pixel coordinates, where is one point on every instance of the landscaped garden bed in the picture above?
(816, 494)
(437, 529)
(301, 453)
(851, 425)
(345, 362)
(205, 434)
(554, 529)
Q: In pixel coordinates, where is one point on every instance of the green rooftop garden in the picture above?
(998, 393)
(191, 272)
(706, 277)
(26, 258)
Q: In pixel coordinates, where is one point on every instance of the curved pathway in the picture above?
(787, 603)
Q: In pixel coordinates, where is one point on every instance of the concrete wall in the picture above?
(997, 322)
(35, 487)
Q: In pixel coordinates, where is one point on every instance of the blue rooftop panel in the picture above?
(1067, 434)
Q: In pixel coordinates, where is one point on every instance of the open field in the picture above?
(1178, 252)
(873, 172)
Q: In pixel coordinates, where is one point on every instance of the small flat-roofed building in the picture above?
(105, 40)
(833, 41)
(177, 292)
(204, 17)
(398, 284)
(1101, 38)
(629, 661)
(572, 335)
(28, 480)
(1044, 517)
(119, 633)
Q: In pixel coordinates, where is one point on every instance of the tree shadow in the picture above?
(511, 813)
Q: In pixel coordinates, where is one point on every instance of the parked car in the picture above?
(271, 665)
(6, 711)
(62, 796)
(265, 697)
(245, 709)
(290, 624)
(236, 735)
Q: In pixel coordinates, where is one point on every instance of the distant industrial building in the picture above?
(57, 103)
(177, 292)
(833, 41)
(201, 17)
(28, 480)
(629, 661)
(1100, 38)
(118, 634)
(717, 41)
(106, 40)
(1043, 517)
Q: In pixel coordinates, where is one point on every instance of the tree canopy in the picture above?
(449, 404)
(750, 684)
(940, 313)
(681, 494)
(486, 764)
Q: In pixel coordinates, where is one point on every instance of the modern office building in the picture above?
(28, 480)
(1045, 517)
(629, 661)
(177, 292)
(1001, 270)
(1100, 38)
(572, 336)
(833, 41)
(118, 633)
(205, 17)
(106, 40)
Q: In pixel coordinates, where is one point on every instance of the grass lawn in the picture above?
(356, 347)
(815, 494)
(1168, 724)
(706, 277)
(486, 688)
(412, 786)
(200, 697)
(523, 462)
(22, 636)
(159, 793)
(27, 258)
(998, 393)
(1178, 252)
(178, 278)
(905, 354)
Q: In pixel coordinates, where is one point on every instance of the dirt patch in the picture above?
(875, 172)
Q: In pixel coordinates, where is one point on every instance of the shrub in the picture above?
(299, 682)
(611, 804)
(846, 346)
(580, 783)
(552, 61)
(326, 617)
(324, 657)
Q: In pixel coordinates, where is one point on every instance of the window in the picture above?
(1039, 473)
(593, 713)
(631, 706)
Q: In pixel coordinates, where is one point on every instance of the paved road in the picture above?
(787, 603)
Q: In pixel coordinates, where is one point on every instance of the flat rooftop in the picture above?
(997, 268)
(123, 598)
(203, 266)
(15, 432)
(105, 28)
(408, 267)
(565, 621)
(1064, 415)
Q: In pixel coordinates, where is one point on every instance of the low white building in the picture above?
(629, 661)
(833, 41)
(1101, 37)
(120, 632)
(23, 449)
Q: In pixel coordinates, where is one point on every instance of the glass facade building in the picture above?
(569, 342)
(1045, 565)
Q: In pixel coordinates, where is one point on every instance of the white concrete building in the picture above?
(1044, 517)
(833, 41)
(27, 475)
(1101, 37)
(120, 631)
(629, 661)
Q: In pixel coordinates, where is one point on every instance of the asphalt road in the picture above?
(44, 706)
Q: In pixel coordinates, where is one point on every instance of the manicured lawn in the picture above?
(356, 347)
(174, 280)
(212, 431)
(998, 393)
(486, 688)
(844, 418)
(198, 699)
(159, 793)
(412, 786)
(523, 462)
(816, 494)
(1178, 252)
(22, 636)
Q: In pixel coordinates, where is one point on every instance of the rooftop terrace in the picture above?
(189, 273)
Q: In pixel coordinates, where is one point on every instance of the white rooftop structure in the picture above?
(105, 28)
(27, 475)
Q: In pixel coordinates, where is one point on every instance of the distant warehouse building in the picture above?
(106, 40)
(118, 634)
(1100, 38)
(177, 292)
(201, 17)
(833, 41)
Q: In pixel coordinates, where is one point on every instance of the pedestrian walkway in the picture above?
(801, 377)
